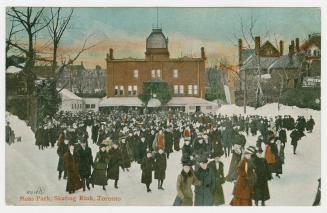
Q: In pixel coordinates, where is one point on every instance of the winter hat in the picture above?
(259, 150)
(203, 160)
(186, 162)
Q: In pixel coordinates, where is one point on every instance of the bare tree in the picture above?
(56, 29)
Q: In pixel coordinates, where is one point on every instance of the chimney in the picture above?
(240, 47)
(257, 45)
(293, 46)
(297, 45)
(291, 49)
(111, 53)
(281, 47)
(203, 54)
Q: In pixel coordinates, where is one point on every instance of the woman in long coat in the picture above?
(218, 170)
(99, 175)
(72, 166)
(184, 182)
(263, 174)
(114, 162)
(147, 167)
(61, 150)
(242, 190)
(160, 168)
(85, 164)
(125, 154)
(204, 192)
(236, 158)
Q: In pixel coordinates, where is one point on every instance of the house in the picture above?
(265, 72)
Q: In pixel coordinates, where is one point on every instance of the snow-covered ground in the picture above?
(27, 168)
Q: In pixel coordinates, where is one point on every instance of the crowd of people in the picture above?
(148, 139)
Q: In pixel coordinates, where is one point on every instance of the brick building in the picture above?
(185, 76)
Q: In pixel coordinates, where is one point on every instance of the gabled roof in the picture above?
(68, 95)
(313, 40)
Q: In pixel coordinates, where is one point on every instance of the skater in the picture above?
(160, 168)
(99, 175)
(263, 174)
(204, 192)
(187, 151)
(71, 165)
(184, 182)
(85, 164)
(218, 170)
(236, 158)
(310, 124)
(242, 190)
(147, 167)
(295, 136)
(61, 151)
(125, 152)
(114, 162)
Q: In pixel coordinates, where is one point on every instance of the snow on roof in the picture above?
(68, 95)
(120, 101)
(13, 70)
(183, 101)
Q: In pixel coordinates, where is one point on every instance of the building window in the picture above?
(87, 106)
(121, 90)
(175, 73)
(195, 89)
(136, 74)
(190, 89)
(135, 90)
(72, 106)
(158, 74)
(116, 90)
(181, 89)
(130, 90)
(153, 73)
(92, 106)
(176, 89)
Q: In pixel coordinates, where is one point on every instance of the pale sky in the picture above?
(216, 29)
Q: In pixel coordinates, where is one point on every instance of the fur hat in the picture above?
(250, 150)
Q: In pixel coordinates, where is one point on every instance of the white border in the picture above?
(165, 3)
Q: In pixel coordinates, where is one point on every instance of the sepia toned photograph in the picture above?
(162, 106)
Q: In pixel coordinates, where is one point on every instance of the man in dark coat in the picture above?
(95, 130)
(160, 167)
(263, 174)
(204, 192)
(217, 168)
(168, 142)
(147, 167)
(61, 151)
(85, 163)
(177, 136)
(72, 166)
(295, 136)
(282, 135)
(187, 151)
(114, 162)
(310, 124)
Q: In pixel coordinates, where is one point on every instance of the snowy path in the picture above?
(28, 168)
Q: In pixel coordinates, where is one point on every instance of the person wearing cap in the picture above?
(147, 166)
(160, 167)
(85, 163)
(185, 180)
(141, 148)
(227, 138)
(71, 166)
(99, 174)
(204, 192)
(187, 151)
(39, 137)
(177, 133)
(149, 138)
(242, 190)
(263, 175)
(295, 137)
(114, 162)
(310, 124)
(218, 170)
(201, 149)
